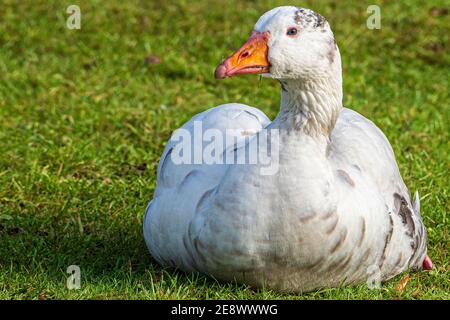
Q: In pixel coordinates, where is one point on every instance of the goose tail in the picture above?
(427, 264)
(416, 203)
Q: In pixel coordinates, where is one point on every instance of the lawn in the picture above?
(85, 114)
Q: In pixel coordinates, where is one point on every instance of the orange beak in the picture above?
(251, 58)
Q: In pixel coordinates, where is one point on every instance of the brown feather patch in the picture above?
(340, 241)
(343, 174)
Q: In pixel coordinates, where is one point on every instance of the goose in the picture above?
(333, 211)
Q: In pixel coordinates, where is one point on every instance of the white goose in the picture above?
(336, 210)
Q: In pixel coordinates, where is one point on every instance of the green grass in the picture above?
(84, 119)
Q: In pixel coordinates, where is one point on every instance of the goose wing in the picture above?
(183, 187)
(359, 146)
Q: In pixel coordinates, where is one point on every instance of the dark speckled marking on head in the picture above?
(320, 20)
(298, 15)
(306, 17)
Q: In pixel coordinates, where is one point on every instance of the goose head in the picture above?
(286, 43)
(295, 46)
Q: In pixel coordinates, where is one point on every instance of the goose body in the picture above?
(333, 210)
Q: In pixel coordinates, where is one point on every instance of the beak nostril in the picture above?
(244, 54)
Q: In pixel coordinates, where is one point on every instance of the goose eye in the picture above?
(291, 31)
